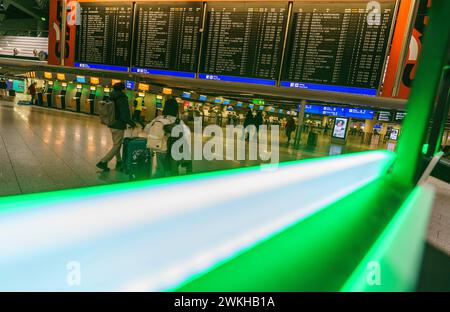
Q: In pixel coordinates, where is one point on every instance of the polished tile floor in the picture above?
(44, 149)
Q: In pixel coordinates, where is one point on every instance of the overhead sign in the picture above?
(337, 111)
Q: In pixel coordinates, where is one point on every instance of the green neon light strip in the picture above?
(318, 253)
(394, 260)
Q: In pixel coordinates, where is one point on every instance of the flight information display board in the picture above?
(243, 42)
(104, 35)
(337, 44)
(167, 37)
(337, 111)
(385, 116)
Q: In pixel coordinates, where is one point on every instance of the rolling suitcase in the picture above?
(141, 165)
(132, 147)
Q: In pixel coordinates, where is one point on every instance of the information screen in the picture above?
(337, 111)
(394, 134)
(340, 128)
(104, 35)
(399, 116)
(333, 43)
(167, 36)
(243, 40)
(385, 116)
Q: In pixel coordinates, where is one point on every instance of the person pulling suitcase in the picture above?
(116, 115)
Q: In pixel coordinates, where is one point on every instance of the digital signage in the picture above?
(130, 84)
(81, 79)
(385, 116)
(399, 116)
(336, 111)
(340, 128)
(394, 134)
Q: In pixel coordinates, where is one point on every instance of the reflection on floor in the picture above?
(44, 149)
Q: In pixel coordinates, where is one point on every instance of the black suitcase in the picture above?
(11, 92)
(132, 146)
(141, 165)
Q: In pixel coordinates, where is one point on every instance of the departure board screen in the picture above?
(167, 36)
(337, 43)
(243, 40)
(104, 35)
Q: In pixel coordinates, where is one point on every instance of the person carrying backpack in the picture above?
(119, 117)
(159, 139)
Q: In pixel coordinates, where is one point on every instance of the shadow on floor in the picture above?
(435, 271)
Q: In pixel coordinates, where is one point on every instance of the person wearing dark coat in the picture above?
(258, 120)
(248, 121)
(123, 118)
(290, 127)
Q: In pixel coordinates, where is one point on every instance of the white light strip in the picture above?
(97, 216)
(176, 274)
(157, 237)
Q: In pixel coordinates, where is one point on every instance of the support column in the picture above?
(63, 31)
(368, 130)
(298, 130)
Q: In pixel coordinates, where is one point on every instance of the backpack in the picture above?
(157, 139)
(107, 112)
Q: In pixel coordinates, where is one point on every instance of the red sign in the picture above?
(408, 68)
(55, 36)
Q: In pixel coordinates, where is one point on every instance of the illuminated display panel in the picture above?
(333, 48)
(81, 79)
(167, 38)
(243, 42)
(104, 35)
(143, 87)
(95, 80)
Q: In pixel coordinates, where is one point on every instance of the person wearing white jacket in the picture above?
(160, 138)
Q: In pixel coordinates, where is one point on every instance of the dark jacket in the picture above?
(32, 89)
(258, 119)
(249, 120)
(123, 114)
(290, 125)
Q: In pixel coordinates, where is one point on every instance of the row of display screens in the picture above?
(236, 79)
(315, 109)
(328, 47)
(340, 128)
